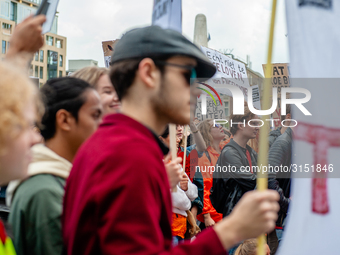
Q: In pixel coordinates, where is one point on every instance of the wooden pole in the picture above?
(173, 149)
(185, 137)
(262, 177)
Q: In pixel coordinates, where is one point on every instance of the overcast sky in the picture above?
(241, 25)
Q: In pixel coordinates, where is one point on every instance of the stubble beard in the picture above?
(165, 108)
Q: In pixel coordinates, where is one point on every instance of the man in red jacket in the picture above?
(117, 198)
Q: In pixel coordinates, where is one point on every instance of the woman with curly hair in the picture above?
(20, 110)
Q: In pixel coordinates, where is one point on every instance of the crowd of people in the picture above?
(87, 165)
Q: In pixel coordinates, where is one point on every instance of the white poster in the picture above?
(229, 72)
(167, 14)
(256, 97)
(210, 109)
(48, 8)
(313, 221)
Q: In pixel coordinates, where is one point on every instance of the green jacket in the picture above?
(36, 215)
(36, 204)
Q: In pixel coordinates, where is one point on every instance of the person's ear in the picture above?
(64, 120)
(148, 73)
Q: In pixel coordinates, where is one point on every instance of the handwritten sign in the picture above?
(279, 75)
(108, 49)
(213, 111)
(279, 78)
(167, 14)
(227, 67)
(256, 97)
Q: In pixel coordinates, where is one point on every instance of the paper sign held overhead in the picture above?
(108, 49)
(49, 9)
(167, 14)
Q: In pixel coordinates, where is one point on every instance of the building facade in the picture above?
(77, 64)
(50, 61)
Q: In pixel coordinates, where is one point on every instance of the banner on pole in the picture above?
(228, 71)
(167, 14)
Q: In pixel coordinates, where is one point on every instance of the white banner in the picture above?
(167, 14)
(229, 71)
(313, 221)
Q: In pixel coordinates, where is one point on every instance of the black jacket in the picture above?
(273, 135)
(229, 186)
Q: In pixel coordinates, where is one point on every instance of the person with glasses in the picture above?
(117, 198)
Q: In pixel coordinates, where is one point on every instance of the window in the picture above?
(4, 47)
(7, 45)
(6, 26)
(41, 56)
(36, 71)
(52, 64)
(36, 57)
(52, 58)
(41, 72)
(226, 108)
(13, 12)
(60, 60)
(5, 9)
(49, 40)
(60, 73)
(31, 70)
(58, 43)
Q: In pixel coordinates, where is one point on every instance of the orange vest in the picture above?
(203, 163)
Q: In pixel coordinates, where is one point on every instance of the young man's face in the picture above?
(173, 99)
(89, 118)
(248, 131)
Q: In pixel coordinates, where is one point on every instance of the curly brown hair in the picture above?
(16, 91)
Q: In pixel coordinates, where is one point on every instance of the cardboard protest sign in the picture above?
(228, 71)
(167, 14)
(279, 75)
(49, 9)
(108, 49)
(256, 97)
(212, 111)
(279, 78)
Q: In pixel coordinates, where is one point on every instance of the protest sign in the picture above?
(167, 14)
(256, 97)
(279, 74)
(228, 71)
(212, 112)
(49, 9)
(279, 78)
(108, 49)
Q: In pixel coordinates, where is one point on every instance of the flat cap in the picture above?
(153, 41)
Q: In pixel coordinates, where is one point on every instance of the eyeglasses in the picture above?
(189, 76)
(217, 126)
